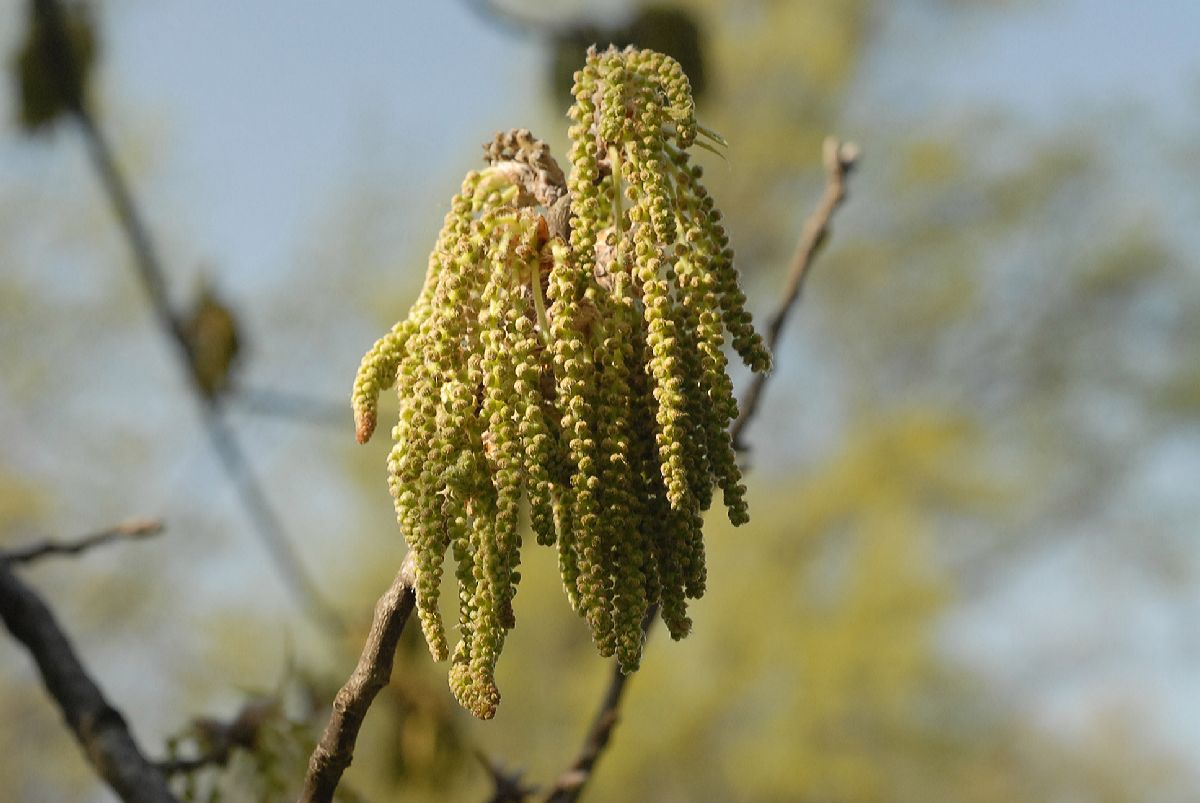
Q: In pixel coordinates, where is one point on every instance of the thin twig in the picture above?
(128, 530)
(839, 159)
(285, 404)
(570, 783)
(99, 728)
(335, 751)
(171, 767)
(267, 524)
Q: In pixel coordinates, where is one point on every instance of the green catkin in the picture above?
(415, 480)
(568, 561)
(479, 694)
(502, 449)
(644, 464)
(377, 374)
(568, 347)
(538, 453)
(623, 480)
(574, 363)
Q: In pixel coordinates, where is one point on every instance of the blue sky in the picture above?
(269, 105)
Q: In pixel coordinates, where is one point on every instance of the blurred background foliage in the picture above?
(969, 566)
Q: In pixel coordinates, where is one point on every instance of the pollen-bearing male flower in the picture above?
(568, 348)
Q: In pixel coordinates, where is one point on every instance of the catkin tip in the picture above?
(364, 425)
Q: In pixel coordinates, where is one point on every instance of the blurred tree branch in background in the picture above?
(218, 739)
(666, 28)
(839, 158)
(508, 786)
(511, 20)
(284, 404)
(128, 530)
(207, 372)
(99, 728)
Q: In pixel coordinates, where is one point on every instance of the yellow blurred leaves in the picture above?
(930, 161)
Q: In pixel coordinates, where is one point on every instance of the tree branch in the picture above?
(267, 523)
(132, 529)
(99, 728)
(572, 780)
(335, 751)
(286, 404)
(839, 160)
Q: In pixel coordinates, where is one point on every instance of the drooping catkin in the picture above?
(568, 349)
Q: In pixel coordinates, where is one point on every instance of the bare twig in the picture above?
(839, 159)
(285, 404)
(217, 757)
(335, 751)
(267, 524)
(99, 728)
(572, 780)
(570, 783)
(132, 529)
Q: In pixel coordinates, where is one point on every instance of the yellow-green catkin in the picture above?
(567, 353)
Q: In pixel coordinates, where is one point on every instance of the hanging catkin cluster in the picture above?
(567, 348)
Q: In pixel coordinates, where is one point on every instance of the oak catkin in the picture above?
(568, 348)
